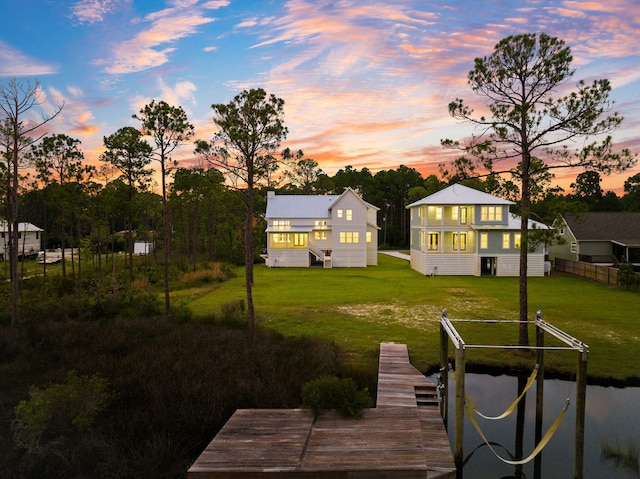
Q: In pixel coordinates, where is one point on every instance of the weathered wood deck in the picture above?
(403, 437)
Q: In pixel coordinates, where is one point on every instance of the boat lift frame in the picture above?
(449, 332)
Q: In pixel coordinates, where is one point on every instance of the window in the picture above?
(349, 214)
(321, 235)
(281, 223)
(433, 241)
(349, 237)
(339, 213)
(454, 213)
(516, 240)
(506, 240)
(463, 216)
(423, 240)
(438, 212)
(574, 247)
(300, 240)
(460, 241)
(484, 240)
(491, 213)
(369, 238)
(321, 223)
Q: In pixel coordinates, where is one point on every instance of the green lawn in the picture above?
(358, 308)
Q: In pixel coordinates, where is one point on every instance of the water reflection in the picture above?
(612, 416)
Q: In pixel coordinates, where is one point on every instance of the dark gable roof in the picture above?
(596, 226)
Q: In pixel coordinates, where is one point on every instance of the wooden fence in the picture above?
(595, 272)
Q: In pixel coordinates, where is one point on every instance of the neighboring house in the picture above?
(463, 231)
(29, 239)
(332, 230)
(598, 237)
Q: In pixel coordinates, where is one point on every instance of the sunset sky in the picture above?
(365, 83)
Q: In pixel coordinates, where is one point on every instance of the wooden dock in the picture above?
(403, 437)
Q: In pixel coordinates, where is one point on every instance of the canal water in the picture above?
(612, 416)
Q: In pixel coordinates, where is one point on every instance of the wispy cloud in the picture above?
(152, 46)
(15, 63)
(92, 11)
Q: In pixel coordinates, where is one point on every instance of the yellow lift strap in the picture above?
(511, 408)
(543, 442)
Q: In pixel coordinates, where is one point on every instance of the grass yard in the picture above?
(359, 308)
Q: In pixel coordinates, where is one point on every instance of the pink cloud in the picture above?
(153, 47)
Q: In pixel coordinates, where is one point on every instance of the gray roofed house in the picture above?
(332, 230)
(599, 237)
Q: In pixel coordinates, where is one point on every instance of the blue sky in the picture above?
(365, 83)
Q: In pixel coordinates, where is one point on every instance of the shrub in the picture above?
(233, 310)
(626, 275)
(330, 392)
(55, 419)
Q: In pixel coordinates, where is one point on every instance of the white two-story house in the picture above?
(463, 231)
(332, 230)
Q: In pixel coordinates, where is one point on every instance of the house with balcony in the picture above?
(463, 231)
(327, 230)
(29, 240)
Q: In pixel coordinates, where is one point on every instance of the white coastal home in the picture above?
(331, 230)
(29, 240)
(463, 231)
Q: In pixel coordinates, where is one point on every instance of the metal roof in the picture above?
(458, 194)
(305, 206)
(300, 206)
(22, 227)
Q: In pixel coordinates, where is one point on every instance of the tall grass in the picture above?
(624, 455)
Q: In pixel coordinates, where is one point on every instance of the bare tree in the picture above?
(17, 99)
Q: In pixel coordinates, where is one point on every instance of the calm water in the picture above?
(613, 414)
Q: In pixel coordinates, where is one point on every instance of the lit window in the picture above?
(281, 223)
(460, 241)
(433, 241)
(339, 213)
(321, 235)
(299, 240)
(321, 223)
(349, 237)
(484, 240)
(454, 213)
(438, 212)
(463, 216)
(491, 213)
(516, 240)
(506, 240)
(349, 214)
(369, 237)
